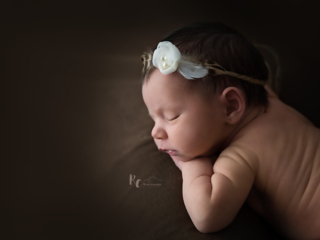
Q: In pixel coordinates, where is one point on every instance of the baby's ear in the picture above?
(234, 104)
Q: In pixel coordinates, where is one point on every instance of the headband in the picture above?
(168, 59)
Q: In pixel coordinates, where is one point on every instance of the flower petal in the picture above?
(191, 70)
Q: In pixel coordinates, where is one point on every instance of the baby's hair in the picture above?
(218, 45)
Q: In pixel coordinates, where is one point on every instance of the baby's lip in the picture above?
(164, 149)
(169, 151)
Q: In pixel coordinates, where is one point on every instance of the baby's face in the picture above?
(184, 122)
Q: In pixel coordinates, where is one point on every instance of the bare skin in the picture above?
(287, 178)
(269, 157)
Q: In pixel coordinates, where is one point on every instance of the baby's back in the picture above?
(287, 186)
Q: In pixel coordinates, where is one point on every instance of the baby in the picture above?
(205, 87)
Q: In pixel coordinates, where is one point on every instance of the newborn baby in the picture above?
(232, 148)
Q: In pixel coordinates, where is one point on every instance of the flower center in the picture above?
(164, 63)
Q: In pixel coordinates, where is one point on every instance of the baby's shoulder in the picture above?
(278, 111)
(239, 152)
(277, 122)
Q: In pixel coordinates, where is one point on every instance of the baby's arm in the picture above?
(214, 195)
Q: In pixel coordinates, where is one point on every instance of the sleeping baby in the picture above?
(206, 89)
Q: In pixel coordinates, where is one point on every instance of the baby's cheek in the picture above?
(205, 139)
(180, 138)
(189, 139)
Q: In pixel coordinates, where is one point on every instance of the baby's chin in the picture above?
(183, 158)
(187, 158)
(180, 158)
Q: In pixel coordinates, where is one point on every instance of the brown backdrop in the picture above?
(74, 127)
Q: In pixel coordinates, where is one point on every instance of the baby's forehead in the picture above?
(171, 91)
(172, 83)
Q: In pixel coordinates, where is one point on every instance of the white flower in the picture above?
(166, 57)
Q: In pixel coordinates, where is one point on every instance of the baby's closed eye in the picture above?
(171, 119)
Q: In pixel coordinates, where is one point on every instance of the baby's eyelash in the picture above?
(173, 118)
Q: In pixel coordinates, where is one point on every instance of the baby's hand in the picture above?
(178, 163)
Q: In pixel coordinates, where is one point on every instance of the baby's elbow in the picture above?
(210, 226)
(206, 228)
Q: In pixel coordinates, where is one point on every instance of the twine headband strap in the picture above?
(146, 58)
(218, 70)
(168, 59)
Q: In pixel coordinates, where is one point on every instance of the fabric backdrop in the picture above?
(77, 158)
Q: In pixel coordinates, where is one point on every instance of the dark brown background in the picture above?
(73, 123)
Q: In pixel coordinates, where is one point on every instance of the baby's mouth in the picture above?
(169, 151)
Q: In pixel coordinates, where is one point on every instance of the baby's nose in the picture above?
(158, 133)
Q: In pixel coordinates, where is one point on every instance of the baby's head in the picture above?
(198, 85)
